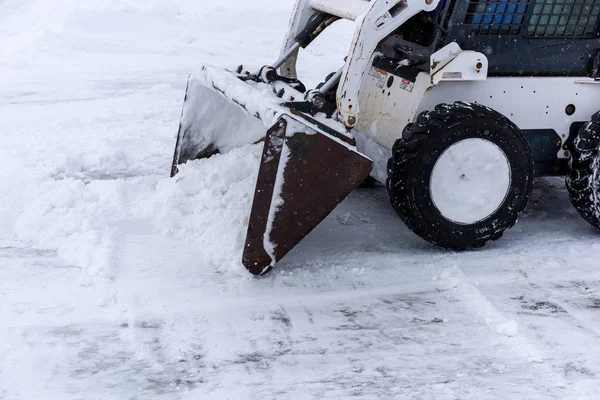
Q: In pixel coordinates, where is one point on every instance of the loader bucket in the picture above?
(307, 168)
(212, 122)
(304, 174)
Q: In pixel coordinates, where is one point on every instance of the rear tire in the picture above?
(583, 180)
(440, 173)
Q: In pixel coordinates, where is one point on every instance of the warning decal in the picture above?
(407, 85)
(380, 75)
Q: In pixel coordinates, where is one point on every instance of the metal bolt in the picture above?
(351, 120)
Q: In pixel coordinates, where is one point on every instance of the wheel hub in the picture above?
(470, 181)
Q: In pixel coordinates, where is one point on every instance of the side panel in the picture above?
(390, 96)
(531, 103)
(391, 100)
(382, 18)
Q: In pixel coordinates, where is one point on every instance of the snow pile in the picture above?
(13, 193)
(207, 205)
(89, 108)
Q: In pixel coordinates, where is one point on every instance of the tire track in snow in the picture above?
(549, 312)
(506, 329)
(173, 360)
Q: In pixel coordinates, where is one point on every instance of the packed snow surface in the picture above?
(117, 282)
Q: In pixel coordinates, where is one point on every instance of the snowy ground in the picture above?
(119, 283)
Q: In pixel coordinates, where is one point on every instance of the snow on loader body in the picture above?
(459, 105)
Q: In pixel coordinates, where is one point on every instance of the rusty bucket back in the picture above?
(307, 167)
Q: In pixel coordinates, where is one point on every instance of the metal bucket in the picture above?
(307, 168)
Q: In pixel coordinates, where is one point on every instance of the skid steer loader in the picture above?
(456, 104)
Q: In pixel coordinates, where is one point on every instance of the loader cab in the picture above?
(529, 37)
(519, 37)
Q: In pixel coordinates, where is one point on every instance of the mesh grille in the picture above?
(564, 18)
(496, 17)
(548, 18)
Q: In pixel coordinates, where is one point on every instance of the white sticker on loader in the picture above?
(407, 85)
(380, 75)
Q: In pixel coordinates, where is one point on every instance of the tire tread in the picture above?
(407, 149)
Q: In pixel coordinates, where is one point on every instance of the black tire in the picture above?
(423, 143)
(583, 180)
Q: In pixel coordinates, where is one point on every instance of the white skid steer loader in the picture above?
(457, 104)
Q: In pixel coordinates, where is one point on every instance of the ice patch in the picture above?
(351, 219)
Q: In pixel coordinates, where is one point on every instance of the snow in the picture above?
(276, 200)
(257, 98)
(118, 282)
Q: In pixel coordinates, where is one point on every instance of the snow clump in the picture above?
(206, 205)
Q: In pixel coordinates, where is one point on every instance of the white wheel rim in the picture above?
(470, 181)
